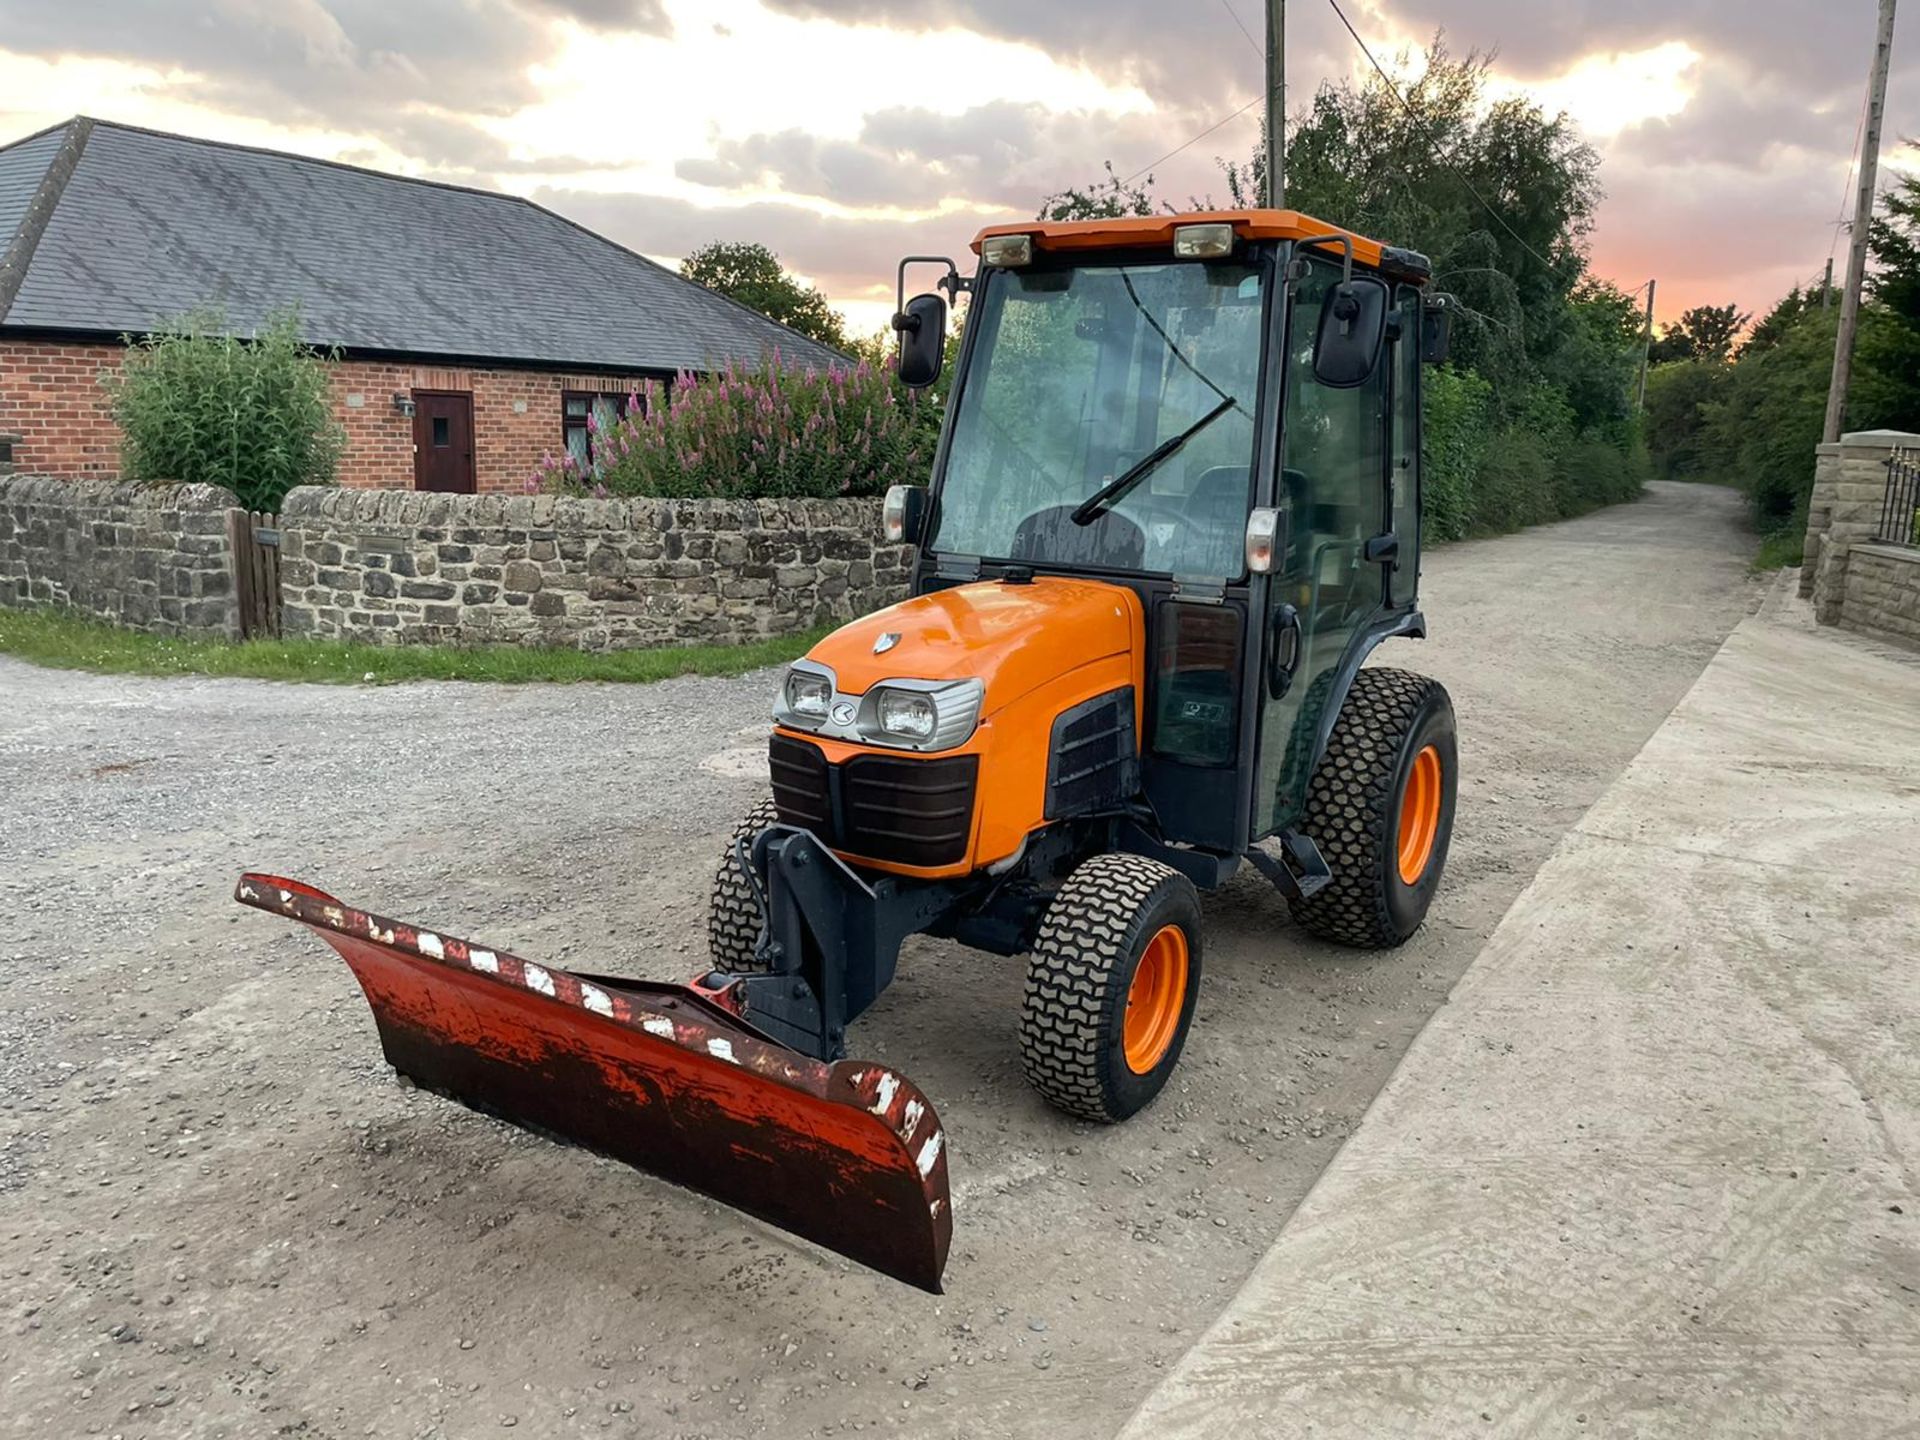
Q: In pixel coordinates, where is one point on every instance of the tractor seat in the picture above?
(1111, 542)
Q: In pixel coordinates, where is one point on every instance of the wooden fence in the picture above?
(255, 539)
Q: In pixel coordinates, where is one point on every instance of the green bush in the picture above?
(769, 431)
(199, 405)
(1515, 486)
(1676, 423)
(1457, 408)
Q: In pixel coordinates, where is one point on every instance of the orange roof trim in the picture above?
(1157, 230)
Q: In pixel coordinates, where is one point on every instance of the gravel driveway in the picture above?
(223, 1217)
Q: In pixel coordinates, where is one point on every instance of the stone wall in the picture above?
(1882, 596)
(146, 558)
(399, 567)
(1849, 490)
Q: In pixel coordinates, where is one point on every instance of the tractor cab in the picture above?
(1220, 412)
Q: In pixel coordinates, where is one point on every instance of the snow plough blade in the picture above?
(848, 1155)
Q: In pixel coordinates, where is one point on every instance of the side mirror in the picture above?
(904, 515)
(1436, 330)
(1353, 328)
(923, 340)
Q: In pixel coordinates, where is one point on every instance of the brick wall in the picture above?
(52, 398)
(516, 420)
(143, 557)
(406, 567)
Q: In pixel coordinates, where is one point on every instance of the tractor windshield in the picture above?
(1080, 383)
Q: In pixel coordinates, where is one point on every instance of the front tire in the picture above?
(733, 911)
(1110, 987)
(1380, 807)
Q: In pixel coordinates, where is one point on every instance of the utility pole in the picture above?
(1826, 287)
(1277, 103)
(1862, 218)
(1646, 346)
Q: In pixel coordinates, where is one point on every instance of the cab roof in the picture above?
(1156, 232)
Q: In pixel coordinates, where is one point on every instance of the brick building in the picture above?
(476, 331)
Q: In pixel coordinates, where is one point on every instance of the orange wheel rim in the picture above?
(1156, 999)
(1419, 815)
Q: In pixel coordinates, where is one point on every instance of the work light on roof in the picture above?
(1202, 242)
(1007, 251)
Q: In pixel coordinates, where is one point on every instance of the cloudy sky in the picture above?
(845, 133)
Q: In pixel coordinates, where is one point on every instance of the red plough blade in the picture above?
(849, 1155)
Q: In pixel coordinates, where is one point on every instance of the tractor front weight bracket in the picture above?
(832, 938)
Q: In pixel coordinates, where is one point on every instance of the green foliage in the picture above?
(1458, 409)
(769, 431)
(1109, 198)
(1706, 332)
(199, 405)
(63, 640)
(1675, 420)
(752, 274)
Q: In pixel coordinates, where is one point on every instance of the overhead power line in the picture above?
(1438, 153)
(1144, 169)
(1227, 5)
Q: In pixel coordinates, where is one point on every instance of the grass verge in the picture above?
(1781, 549)
(73, 642)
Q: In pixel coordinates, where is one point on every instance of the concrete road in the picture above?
(221, 1216)
(1654, 1170)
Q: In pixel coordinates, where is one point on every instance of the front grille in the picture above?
(800, 789)
(910, 812)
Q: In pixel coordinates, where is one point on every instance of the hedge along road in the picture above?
(222, 1216)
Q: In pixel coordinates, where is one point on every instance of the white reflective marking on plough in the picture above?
(538, 979)
(888, 1086)
(286, 897)
(595, 999)
(484, 960)
(721, 1048)
(429, 944)
(658, 1025)
(910, 1118)
(929, 1153)
(385, 937)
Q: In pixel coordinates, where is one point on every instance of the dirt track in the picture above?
(222, 1217)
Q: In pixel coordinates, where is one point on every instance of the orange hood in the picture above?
(1012, 637)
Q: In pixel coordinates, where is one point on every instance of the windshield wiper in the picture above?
(1096, 504)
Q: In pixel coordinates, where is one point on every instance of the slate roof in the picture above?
(147, 226)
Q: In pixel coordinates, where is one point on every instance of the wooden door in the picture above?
(443, 441)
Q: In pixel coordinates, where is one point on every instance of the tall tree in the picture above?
(1706, 332)
(753, 275)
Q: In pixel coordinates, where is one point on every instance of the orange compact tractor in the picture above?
(1174, 508)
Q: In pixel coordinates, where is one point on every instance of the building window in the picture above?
(583, 416)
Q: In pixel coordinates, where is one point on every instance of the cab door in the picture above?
(1336, 452)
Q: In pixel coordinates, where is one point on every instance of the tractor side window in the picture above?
(1334, 459)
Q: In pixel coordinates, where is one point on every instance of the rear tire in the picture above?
(1380, 807)
(1110, 987)
(733, 912)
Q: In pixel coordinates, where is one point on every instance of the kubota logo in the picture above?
(886, 642)
(843, 713)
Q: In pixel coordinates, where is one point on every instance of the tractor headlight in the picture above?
(805, 695)
(921, 714)
(904, 713)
